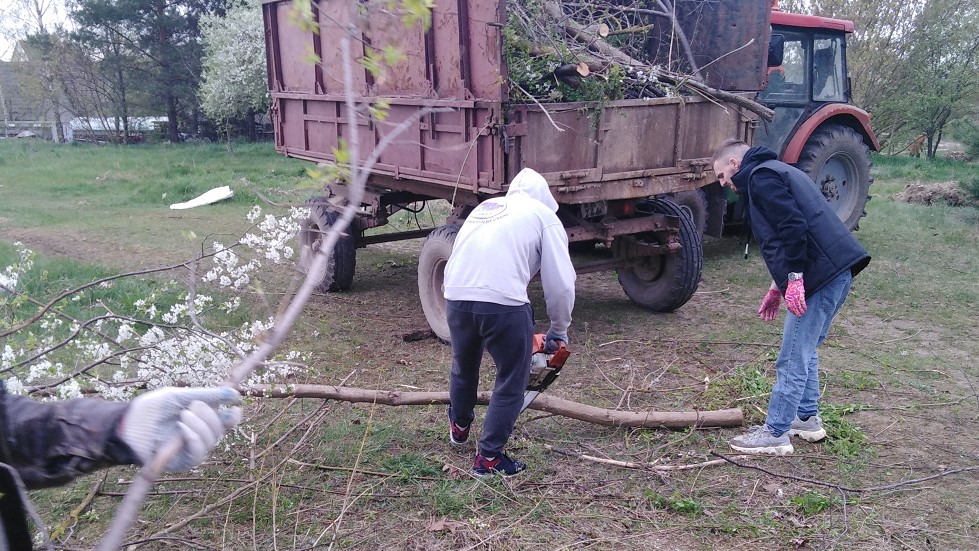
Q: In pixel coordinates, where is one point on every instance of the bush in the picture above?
(971, 188)
(967, 132)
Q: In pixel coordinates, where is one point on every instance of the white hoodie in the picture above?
(504, 242)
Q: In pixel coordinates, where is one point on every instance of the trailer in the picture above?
(631, 177)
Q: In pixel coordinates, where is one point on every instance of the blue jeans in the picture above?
(796, 389)
(507, 333)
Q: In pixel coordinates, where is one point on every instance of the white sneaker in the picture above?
(760, 440)
(810, 430)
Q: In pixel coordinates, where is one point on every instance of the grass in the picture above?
(812, 502)
(889, 168)
(118, 197)
(898, 372)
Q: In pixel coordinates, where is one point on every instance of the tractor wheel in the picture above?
(838, 160)
(696, 201)
(431, 277)
(339, 274)
(666, 282)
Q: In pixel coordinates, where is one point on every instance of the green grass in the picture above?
(904, 168)
(676, 503)
(812, 502)
(120, 196)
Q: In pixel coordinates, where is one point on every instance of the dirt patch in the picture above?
(74, 247)
(928, 194)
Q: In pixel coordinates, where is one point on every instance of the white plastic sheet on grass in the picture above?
(206, 198)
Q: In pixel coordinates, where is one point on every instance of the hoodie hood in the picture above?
(529, 182)
(752, 158)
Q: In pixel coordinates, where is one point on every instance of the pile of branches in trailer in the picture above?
(603, 50)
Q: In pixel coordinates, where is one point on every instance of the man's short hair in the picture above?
(731, 147)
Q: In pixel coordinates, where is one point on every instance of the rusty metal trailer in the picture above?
(621, 171)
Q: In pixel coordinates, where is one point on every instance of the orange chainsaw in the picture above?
(544, 367)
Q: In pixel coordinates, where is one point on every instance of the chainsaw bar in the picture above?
(544, 368)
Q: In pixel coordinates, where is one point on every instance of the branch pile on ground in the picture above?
(560, 51)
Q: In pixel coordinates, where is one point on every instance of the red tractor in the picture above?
(815, 126)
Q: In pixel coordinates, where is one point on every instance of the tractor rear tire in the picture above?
(431, 277)
(666, 282)
(838, 160)
(339, 274)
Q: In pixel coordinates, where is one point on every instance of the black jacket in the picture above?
(47, 444)
(796, 229)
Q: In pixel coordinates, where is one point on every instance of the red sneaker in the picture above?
(458, 434)
(501, 464)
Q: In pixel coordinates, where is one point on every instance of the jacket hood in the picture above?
(752, 158)
(529, 182)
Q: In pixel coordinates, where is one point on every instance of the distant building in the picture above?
(92, 129)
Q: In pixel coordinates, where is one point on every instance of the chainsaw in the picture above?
(544, 367)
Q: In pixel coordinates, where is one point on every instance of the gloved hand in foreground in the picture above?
(769, 305)
(153, 418)
(795, 297)
(550, 341)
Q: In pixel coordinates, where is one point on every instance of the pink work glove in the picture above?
(795, 297)
(769, 305)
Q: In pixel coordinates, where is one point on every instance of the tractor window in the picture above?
(828, 83)
(789, 82)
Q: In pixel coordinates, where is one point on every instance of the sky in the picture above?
(6, 49)
(18, 17)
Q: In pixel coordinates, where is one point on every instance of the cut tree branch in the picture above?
(635, 464)
(550, 404)
(581, 34)
(842, 488)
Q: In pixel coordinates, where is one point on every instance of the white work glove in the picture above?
(153, 418)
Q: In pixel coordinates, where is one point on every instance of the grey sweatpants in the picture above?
(506, 332)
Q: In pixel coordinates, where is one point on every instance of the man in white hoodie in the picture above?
(504, 242)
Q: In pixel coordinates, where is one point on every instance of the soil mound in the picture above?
(927, 194)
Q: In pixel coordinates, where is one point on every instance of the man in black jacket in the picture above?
(812, 258)
(45, 444)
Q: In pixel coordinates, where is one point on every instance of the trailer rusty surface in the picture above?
(628, 175)
(588, 152)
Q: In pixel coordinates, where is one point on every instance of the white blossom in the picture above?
(233, 74)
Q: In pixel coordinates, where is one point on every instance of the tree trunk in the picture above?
(123, 102)
(250, 120)
(173, 136)
(549, 404)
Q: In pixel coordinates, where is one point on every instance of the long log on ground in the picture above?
(581, 33)
(550, 404)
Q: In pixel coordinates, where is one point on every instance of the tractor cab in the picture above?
(815, 127)
(807, 70)
(810, 67)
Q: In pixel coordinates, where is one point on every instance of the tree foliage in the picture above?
(234, 80)
(912, 64)
(164, 37)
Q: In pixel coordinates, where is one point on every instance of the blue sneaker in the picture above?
(458, 434)
(501, 464)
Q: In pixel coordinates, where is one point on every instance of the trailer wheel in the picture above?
(838, 160)
(343, 261)
(431, 277)
(696, 201)
(666, 282)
